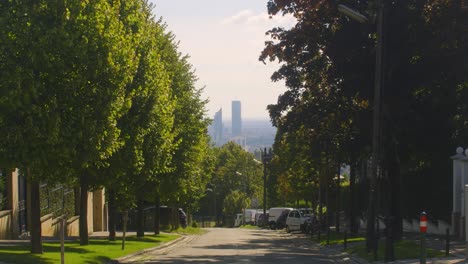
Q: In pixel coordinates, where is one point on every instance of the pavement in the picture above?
(456, 255)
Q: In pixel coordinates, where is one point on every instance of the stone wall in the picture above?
(5, 224)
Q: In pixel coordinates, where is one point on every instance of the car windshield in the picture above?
(306, 212)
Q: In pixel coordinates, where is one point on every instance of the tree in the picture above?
(235, 170)
(234, 203)
(327, 64)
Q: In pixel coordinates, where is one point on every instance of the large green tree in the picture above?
(236, 170)
(328, 65)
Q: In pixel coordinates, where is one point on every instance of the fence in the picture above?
(57, 200)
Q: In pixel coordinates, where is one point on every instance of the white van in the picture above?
(249, 216)
(274, 214)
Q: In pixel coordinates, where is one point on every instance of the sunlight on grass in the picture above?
(98, 251)
(189, 231)
(337, 238)
(248, 226)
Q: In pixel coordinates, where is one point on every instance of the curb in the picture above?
(144, 251)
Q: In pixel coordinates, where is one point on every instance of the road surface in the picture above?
(237, 245)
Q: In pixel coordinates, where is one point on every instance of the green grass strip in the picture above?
(98, 250)
(404, 249)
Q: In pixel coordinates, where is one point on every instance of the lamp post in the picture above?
(266, 158)
(376, 119)
(245, 192)
(264, 187)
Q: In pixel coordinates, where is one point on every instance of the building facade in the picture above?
(236, 119)
(218, 128)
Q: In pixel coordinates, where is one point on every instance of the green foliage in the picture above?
(324, 117)
(234, 203)
(235, 170)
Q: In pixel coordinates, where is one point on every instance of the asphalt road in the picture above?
(235, 245)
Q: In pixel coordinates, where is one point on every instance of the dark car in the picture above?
(281, 222)
(262, 220)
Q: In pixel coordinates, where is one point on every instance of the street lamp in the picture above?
(245, 191)
(376, 127)
(349, 12)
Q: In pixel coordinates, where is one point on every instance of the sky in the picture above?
(224, 40)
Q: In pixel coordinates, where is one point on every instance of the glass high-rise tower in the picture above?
(236, 119)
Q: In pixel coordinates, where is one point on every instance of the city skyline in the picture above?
(224, 40)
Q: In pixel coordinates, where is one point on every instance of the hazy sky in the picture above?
(224, 40)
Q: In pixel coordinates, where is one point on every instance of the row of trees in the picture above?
(96, 94)
(324, 118)
(236, 183)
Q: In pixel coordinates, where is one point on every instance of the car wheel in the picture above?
(272, 225)
(287, 229)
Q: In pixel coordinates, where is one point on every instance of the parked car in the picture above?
(274, 214)
(262, 219)
(281, 222)
(295, 221)
(249, 216)
(238, 220)
(308, 215)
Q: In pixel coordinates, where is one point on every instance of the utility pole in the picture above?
(376, 132)
(266, 158)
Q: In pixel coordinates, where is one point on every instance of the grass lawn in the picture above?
(403, 250)
(337, 238)
(249, 227)
(98, 250)
(189, 231)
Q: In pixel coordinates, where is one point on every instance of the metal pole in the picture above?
(423, 248)
(264, 153)
(447, 242)
(345, 244)
(376, 131)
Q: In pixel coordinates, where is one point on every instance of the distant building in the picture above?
(236, 119)
(218, 127)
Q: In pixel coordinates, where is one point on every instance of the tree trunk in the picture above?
(395, 194)
(112, 215)
(338, 197)
(84, 210)
(124, 235)
(157, 216)
(36, 233)
(352, 197)
(140, 219)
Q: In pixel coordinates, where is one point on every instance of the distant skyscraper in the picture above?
(236, 119)
(218, 127)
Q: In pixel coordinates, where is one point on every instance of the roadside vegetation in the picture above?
(404, 249)
(98, 251)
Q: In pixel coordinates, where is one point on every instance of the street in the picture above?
(236, 245)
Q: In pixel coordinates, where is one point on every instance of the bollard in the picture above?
(447, 242)
(345, 244)
(422, 231)
(319, 235)
(328, 236)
